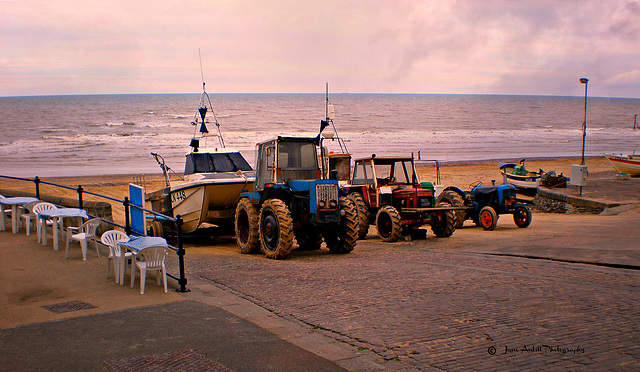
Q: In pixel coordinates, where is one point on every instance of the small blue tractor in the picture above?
(485, 204)
(291, 200)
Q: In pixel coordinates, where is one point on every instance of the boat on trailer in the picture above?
(524, 180)
(629, 164)
(213, 180)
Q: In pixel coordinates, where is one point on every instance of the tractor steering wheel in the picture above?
(474, 184)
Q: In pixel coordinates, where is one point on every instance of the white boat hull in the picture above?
(201, 199)
(629, 164)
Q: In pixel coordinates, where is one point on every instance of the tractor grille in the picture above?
(327, 193)
(425, 203)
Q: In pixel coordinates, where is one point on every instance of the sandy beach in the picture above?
(459, 174)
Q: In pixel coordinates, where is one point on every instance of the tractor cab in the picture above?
(391, 181)
(284, 159)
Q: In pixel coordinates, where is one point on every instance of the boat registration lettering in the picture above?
(176, 196)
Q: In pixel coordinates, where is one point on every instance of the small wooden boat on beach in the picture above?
(629, 164)
(524, 180)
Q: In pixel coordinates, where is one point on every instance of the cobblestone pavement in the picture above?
(425, 305)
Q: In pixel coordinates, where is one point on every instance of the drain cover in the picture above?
(66, 307)
(181, 360)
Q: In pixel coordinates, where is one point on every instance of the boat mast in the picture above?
(202, 112)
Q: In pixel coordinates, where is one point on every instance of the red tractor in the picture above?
(387, 192)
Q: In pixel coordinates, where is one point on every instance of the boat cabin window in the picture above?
(215, 162)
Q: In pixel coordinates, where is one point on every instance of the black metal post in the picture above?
(37, 182)
(183, 280)
(80, 190)
(127, 219)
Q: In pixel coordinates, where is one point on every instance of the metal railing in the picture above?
(177, 221)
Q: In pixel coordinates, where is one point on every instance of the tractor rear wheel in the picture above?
(246, 226)
(488, 218)
(446, 224)
(522, 216)
(276, 229)
(389, 224)
(455, 200)
(363, 214)
(343, 238)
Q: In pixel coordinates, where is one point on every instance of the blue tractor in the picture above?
(485, 204)
(291, 200)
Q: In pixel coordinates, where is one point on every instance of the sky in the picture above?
(540, 47)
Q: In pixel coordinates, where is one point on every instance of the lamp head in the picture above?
(584, 80)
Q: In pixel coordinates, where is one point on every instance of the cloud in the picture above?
(448, 46)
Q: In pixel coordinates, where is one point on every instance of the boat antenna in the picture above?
(200, 116)
(329, 114)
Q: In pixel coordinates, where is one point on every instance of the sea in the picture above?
(84, 135)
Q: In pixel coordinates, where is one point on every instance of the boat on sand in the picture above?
(524, 180)
(629, 164)
(213, 180)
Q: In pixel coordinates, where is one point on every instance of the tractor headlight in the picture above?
(321, 204)
(333, 204)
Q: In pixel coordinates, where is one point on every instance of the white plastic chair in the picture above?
(29, 215)
(84, 233)
(150, 259)
(40, 224)
(111, 239)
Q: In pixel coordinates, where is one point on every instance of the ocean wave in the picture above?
(176, 116)
(120, 124)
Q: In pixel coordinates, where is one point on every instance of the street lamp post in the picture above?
(583, 168)
(584, 81)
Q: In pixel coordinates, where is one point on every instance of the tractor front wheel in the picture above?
(522, 216)
(246, 226)
(363, 214)
(343, 238)
(488, 218)
(389, 224)
(446, 224)
(276, 229)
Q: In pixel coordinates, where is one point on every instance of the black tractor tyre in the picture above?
(309, 239)
(455, 200)
(276, 229)
(343, 238)
(488, 218)
(363, 214)
(246, 224)
(446, 225)
(522, 216)
(389, 224)
(155, 228)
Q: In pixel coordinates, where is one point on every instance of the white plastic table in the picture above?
(14, 202)
(58, 216)
(135, 244)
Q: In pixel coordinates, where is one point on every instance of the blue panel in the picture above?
(136, 197)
